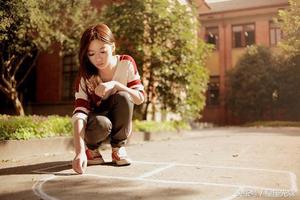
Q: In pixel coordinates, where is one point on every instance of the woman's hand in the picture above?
(103, 90)
(79, 163)
(92, 83)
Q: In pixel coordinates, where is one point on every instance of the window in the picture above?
(243, 35)
(70, 71)
(213, 92)
(275, 34)
(212, 36)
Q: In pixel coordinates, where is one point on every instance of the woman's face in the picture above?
(100, 54)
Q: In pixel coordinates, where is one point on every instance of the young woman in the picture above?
(107, 88)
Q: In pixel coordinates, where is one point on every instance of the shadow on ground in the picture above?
(68, 186)
(47, 167)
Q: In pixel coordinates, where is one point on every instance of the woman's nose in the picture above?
(98, 56)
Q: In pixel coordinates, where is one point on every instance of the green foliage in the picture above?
(290, 24)
(28, 24)
(166, 126)
(252, 84)
(264, 85)
(289, 67)
(27, 127)
(28, 27)
(288, 74)
(161, 35)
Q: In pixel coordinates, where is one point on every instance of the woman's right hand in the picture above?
(79, 163)
(92, 83)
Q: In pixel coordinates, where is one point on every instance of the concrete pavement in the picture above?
(221, 164)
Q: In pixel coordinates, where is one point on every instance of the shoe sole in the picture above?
(95, 162)
(121, 162)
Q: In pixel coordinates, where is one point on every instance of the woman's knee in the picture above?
(98, 124)
(104, 123)
(123, 97)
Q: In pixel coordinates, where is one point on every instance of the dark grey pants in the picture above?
(111, 119)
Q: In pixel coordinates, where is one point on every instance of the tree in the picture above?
(290, 24)
(289, 70)
(162, 37)
(288, 74)
(28, 27)
(252, 87)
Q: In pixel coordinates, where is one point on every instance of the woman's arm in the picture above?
(80, 161)
(136, 95)
(113, 86)
(79, 127)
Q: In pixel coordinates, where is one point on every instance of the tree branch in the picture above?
(6, 82)
(4, 90)
(19, 64)
(7, 64)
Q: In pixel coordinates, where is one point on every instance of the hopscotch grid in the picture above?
(156, 171)
(38, 190)
(37, 187)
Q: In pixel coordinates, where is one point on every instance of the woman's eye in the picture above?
(103, 52)
(91, 54)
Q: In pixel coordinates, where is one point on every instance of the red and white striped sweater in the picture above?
(126, 73)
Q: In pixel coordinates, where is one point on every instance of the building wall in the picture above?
(48, 87)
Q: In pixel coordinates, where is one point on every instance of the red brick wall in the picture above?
(262, 32)
(49, 77)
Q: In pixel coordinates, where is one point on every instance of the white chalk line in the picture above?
(213, 166)
(293, 178)
(38, 190)
(37, 187)
(156, 171)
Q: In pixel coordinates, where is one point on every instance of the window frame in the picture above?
(217, 36)
(243, 37)
(72, 72)
(275, 28)
(213, 85)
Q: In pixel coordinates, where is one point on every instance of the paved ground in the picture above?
(211, 164)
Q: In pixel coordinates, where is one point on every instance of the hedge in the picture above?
(34, 126)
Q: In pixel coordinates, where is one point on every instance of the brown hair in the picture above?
(98, 32)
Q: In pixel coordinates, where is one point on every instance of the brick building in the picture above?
(231, 26)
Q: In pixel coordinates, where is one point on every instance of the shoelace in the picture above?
(119, 153)
(95, 154)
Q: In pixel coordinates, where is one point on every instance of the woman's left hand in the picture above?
(104, 89)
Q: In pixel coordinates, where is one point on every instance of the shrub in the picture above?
(27, 127)
(152, 126)
(289, 87)
(252, 84)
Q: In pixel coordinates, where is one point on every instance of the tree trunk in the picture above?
(146, 109)
(18, 105)
(149, 95)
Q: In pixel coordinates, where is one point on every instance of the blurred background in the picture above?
(226, 62)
